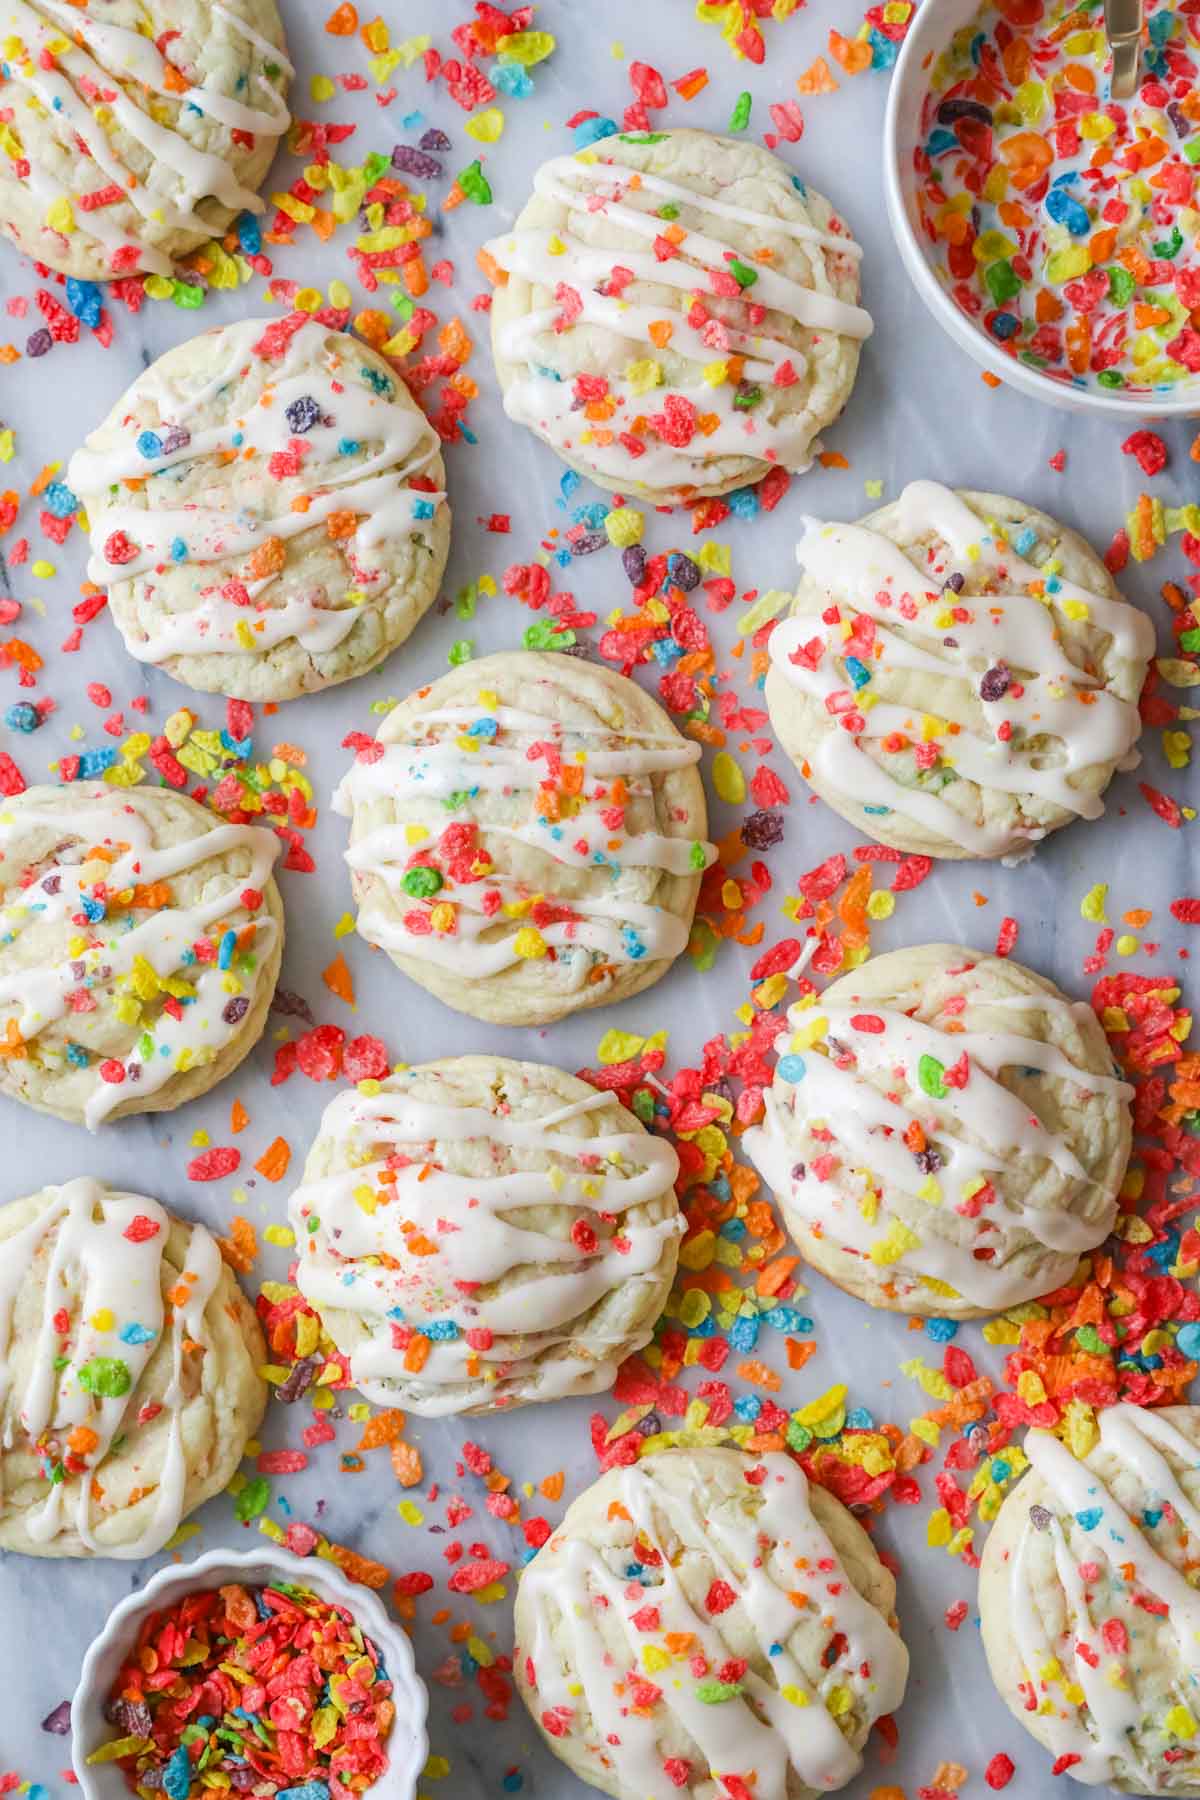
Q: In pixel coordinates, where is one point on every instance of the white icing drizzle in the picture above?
(424, 761)
(401, 445)
(765, 1555)
(38, 996)
(877, 1185)
(71, 51)
(97, 1272)
(895, 607)
(497, 1347)
(1103, 1737)
(541, 399)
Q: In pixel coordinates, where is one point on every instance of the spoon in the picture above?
(1123, 22)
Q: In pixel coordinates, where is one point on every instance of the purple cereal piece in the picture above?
(415, 162)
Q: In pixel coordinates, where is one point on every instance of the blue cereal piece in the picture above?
(590, 131)
(1064, 209)
(85, 300)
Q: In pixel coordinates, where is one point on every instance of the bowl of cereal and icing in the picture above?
(1053, 231)
(252, 1638)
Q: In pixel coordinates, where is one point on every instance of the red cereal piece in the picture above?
(999, 1771)
(12, 782)
(1168, 810)
(140, 1229)
(823, 881)
(478, 1572)
(1149, 450)
(647, 84)
(319, 1052)
(365, 1059)
(281, 1462)
(911, 873)
(214, 1164)
(1006, 937)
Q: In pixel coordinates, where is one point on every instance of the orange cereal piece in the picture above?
(384, 1429)
(239, 1250)
(416, 1353)
(267, 560)
(338, 979)
(343, 21)
(272, 1165)
(341, 525)
(239, 1118)
(407, 1465)
(1028, 156)
(491, 268)
(359, 1568)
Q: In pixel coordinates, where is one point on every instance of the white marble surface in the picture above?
(920, 409)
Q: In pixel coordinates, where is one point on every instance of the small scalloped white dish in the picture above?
(934, 26)
(407, 1744)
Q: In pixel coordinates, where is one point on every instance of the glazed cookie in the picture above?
(481, 1233)
(945, 1134)
(138, 129)
(129, 1372)
(140, 942)
(528, 837)
(708, 1617)
(676, 314)
(959, 676)
(266, 510)
(1087, 1599)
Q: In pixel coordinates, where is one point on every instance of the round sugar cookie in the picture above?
(663, 1646)
(1090, 1615)
(139, 128)
(959, 675)
(267, 510)
(945, 1133)
(676, 314)
(481, 1233)
(527, 837)
(140, 942)
(129, 1372)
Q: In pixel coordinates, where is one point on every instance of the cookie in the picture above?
(708, 1615)
(266, 509)
(528, 837)
(140, 942)
(959, 676)
(139, 129)
(1090, 1615)
(676, 314)
(129, 1372)
(480, 1233)
(945, 1133)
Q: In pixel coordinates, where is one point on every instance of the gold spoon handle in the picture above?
(1123, 21)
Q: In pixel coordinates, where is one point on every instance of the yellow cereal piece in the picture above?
(528, 943)
(60, 215)
(486, 126)
(1092, 905)
(643, 374)
(895, 1242)
(625, 526)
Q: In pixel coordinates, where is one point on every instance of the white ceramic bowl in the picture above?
(935, 25)
(407, 1744)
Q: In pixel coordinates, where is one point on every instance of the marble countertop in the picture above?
(920, 409)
